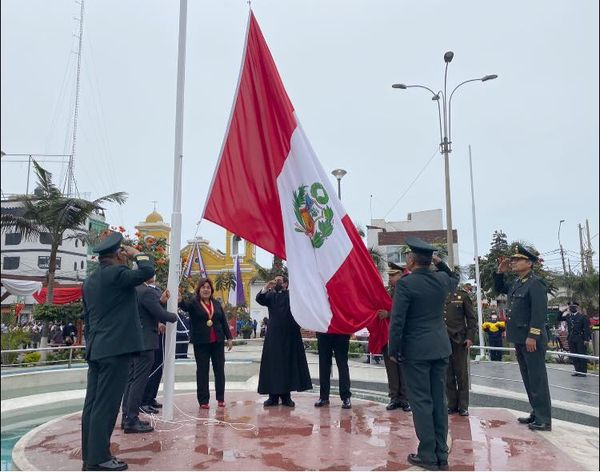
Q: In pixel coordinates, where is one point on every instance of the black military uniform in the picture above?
(526, 317)
(461, 322)
(419, 339)
(579, 333)
(151, 313)
(112, 332)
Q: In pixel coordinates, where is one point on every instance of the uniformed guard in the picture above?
(526, 317)
(494, 328)
(113, 332)
(461, 322)
(396, 381)
(579, 333)
(419, 340)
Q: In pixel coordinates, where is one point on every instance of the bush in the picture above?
(31, 358)
(14, 339)
(355, 350)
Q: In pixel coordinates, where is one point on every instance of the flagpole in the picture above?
(175, 246)
(477, 274)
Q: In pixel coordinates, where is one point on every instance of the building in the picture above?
(155, 226)
(389, 237)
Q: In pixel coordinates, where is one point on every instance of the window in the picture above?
(82, 243)
(45, 238)
(12, 239)
(76, 243)
(11, 263)
(82, 264)
(75, 266)
(44, 262)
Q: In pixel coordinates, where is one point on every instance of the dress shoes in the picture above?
(112, 464)
(149, 410)
(578, 374)
(406, 407)
(526, 419)
(271, 401)
(85, 466)
(288, 402)
(221, 404)
(463, 412)
(123, 423)
(451, 411)
(136, 426)
(414, 459)
(155, 404)
(204, 406)
(321, 403)
(535, 426)
(443, 465)
(394, 405)
(346, 404)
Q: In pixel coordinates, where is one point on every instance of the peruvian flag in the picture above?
(270, 189)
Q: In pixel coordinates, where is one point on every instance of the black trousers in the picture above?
(396, 381)
(151, 390)
(577, 346)
(215, 353)
(140, 366)
(328, 345)
(105, 386)
(535, 378)
(457, 379)
(495, 341)
(426, 382)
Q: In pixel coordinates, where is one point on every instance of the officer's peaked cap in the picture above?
(109, 244)
(419, 246)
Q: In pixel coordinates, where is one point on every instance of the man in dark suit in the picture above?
(579, 335)
(419, 340)
(526, 317)
(461, 322)
(113, 332)
(150, 301)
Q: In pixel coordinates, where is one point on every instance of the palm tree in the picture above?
(62, 217)
(225, 282)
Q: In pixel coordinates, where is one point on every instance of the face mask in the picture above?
(573, 309)
(278, 287)
(494, 318)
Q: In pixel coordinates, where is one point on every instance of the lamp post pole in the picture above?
(445, 124)
(562, 252)
(338, 174)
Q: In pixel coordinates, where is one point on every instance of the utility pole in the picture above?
(589, 251)
(562, 251)
(581, 250)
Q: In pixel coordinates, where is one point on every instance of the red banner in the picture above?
(61, 295)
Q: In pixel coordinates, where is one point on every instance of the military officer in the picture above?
(396, 381)
(579, 334)
(461, 322)
(419, 340)
(113, 333)
(526, 316)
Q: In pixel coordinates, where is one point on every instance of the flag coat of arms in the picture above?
(270, 189)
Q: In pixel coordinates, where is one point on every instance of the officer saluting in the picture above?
(418, 338)
(526, 317)
(461, 322)
(113, 331)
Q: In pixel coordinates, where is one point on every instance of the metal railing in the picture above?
(69, 360)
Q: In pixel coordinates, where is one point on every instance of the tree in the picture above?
(582, 288)
(225, 282)
(378, 259)
(277, 268)
(60, 216)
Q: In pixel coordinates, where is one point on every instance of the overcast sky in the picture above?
(533, 131)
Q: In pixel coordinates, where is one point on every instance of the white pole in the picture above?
(175, 246)
(477, 277)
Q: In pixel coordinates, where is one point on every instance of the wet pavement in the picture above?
(247, 436)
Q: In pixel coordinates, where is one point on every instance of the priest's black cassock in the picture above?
(283, 366)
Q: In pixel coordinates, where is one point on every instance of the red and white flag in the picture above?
(270, 189)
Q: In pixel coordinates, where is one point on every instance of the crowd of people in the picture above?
(432, 327)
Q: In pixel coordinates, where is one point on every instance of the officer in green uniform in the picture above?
(112, 331)
(419, 340)
(526, 316)
(461, 322)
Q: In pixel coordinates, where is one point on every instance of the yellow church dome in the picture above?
(154, 217)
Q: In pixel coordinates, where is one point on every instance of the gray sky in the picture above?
(534, 130)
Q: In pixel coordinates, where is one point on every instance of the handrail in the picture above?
(554, 353)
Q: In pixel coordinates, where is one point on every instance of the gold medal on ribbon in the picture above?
(209, 323)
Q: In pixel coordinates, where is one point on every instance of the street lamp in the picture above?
(562, 252)
(445, 122)
(338, 174)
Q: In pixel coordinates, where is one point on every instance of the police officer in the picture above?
(526, 316)
(579, 334)
(113, 333)
(396, 381)
(419, 339)
(461, 323)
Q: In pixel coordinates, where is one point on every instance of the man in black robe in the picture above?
(283, 366)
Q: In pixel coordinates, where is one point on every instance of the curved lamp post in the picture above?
(445, 122)
(338, 174)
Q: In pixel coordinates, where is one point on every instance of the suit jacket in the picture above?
(460, 317)
(110, 309)
(527, 308)
(199, 332)
(417, 328)
(151, 312)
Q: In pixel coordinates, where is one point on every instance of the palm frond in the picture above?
(116, 197)
(29, 229)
